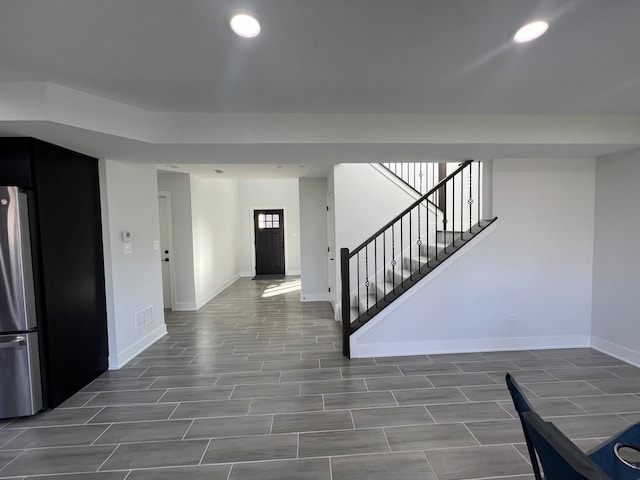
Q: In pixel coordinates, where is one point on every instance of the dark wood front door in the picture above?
(269, 241)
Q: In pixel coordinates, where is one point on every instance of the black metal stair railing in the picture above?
(410, 246)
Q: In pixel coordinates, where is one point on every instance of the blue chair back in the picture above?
(520, 402)
(522, 405)
(560, 458)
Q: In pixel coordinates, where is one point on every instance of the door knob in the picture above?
(165, 260)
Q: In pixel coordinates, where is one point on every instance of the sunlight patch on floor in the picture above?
(281, 288)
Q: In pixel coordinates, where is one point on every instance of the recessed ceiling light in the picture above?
(278, 166)
(173, 166)
(530, 31)
(245, 24)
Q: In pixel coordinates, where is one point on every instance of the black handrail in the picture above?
(440, 184)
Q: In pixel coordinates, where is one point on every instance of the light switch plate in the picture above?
(128, 247)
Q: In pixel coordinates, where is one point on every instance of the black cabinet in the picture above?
(66, 237)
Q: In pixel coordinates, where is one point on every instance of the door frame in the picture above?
(252, 231)
(172, 271)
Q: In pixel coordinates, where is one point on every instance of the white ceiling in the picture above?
(248, 171)
(427, 57)
(332, 56)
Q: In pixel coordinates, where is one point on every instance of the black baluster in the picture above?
(453, 213)
(470, 201)
(436, 235)
(384, 263)
(366, 273)
(427, 221)
(358, 281)
(410, 246)
(375, 268)
(401, 253)
(442, 198)
(462, 203)
(479, 191)
(393, 256)
(419, 242)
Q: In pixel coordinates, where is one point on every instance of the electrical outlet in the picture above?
(513, 317)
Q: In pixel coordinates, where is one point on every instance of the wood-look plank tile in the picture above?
(196, 397)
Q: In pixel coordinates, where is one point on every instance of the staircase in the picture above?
(439, 223)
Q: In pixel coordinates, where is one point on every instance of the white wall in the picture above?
(333, 271)
(129, 197)
(313, 239)
(616, 264)
(365, 200)
(265, 194)
(179, 184)
(536, 264)
(214, 206)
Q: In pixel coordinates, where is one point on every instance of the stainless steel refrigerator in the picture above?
(20, 378)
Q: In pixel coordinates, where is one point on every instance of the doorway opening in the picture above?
(269, 243)
(166, 248)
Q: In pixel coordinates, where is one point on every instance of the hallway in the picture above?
(254, 385)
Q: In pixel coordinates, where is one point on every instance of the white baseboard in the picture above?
(315, 297)
(392, 349)
(186, 306)
(618, 351)
(119, 360)
(217, 291)
(293, 273)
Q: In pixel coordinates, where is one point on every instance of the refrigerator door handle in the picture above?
(12, 343)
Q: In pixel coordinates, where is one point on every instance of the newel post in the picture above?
(345, 301)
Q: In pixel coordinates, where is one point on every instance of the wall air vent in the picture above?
(143, 317)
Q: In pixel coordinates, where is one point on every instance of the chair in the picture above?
(561, 459)
(522, 405)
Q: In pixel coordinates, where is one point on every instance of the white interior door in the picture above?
(166, 248)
